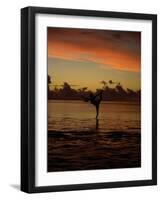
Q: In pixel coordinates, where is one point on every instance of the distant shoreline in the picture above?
(109, 100)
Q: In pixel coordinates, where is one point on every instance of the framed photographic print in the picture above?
(88, 99)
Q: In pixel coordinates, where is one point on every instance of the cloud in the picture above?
(119, 49)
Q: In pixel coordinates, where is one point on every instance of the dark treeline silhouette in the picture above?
(115, 93)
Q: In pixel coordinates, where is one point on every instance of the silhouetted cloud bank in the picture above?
(114, 93)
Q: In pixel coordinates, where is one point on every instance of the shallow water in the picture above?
(80, 116)
(77, 141)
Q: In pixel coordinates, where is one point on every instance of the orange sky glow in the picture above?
(120, 51)
(116, 50)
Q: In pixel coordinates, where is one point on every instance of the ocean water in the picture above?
(80, 116)
(77, 141)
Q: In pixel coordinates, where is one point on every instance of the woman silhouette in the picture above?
(95, 99)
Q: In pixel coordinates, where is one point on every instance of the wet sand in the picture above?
(85, 150)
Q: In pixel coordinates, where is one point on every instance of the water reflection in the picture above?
(78, 141)
(79, 116)
(97, 124)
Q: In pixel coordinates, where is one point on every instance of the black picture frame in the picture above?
(28, 98)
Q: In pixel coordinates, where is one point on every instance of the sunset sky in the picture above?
(85, 57)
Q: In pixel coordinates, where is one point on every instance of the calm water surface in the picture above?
(80, 116)
(77, 141)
